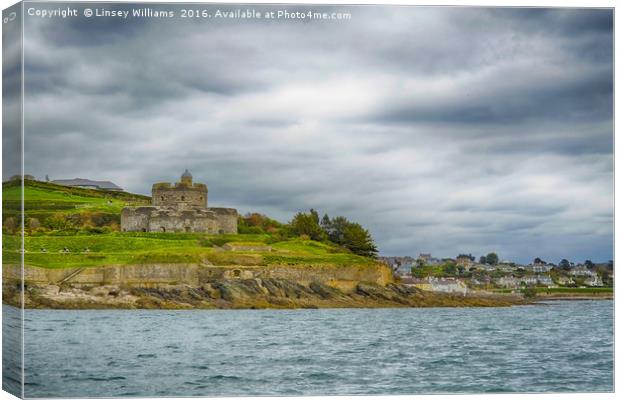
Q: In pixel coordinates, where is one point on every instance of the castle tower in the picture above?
(186, 178)
(182, 195)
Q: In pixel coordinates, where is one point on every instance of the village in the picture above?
(464, 274)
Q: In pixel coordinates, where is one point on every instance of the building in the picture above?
(427, 259)
(594, 281)
(181, 207)
(399, 265)
(465, 261)
(19, 178)
(441, 285)
(508, 282)
(581, 270)
(539, 268)
(88, 184)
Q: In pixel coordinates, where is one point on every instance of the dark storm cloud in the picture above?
(442, 130)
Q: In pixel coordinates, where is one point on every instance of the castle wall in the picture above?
(136, 219)
(226, 219)
(180, 195)
(184, 221)
(179, 208)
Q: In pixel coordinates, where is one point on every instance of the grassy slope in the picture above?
(138, 247)
(43, 199)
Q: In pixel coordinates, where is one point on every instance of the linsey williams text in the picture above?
(136, 13)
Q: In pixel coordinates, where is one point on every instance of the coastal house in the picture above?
(544, 280)
(427, 259)
(399, 265)
(448, 285)
(581, 270)
(539, 268)
(441, 285)
(564, 280)
(465, 262)
(88, 184)
(506, 267)
(508, 282)
(594, 281)
(529, 280)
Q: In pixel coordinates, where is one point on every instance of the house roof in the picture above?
(87, 182)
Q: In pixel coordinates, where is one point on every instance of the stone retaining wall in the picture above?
(152, 275)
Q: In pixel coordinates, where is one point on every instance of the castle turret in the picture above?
(181, 195)
(186, 178)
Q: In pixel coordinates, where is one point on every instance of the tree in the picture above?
(315, 215)
(538, 260)
(307, 224)
(335, 233)
(589, 264)
(359, 241)
(564, 264)
(492, 259)
(326, 223)
(528, 293)
(483, 260)
(472, 258)
(450, 269)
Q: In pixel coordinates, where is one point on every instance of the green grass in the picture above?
(42, 199)
(123, 248)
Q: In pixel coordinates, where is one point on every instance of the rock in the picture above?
(324, 291)
(100, 291)
(375, 291)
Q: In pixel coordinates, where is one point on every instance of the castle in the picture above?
(181, 207)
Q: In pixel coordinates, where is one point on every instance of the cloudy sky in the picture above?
(441, 130)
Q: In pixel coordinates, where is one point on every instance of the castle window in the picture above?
(236, 272)
(143, 229)
(162, 198)
(163, 229)
(182, 198)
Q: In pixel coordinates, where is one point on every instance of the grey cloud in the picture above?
(442, 130)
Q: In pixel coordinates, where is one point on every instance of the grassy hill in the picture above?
(73, 227)
(43, 199)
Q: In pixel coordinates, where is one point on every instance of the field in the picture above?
(77, 246)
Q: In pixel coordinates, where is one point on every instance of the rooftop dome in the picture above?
(186, 174)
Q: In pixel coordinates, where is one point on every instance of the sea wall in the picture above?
(344, 278)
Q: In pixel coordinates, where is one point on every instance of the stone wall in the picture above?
(180, 195)
(226, 219)
(152, 275)
(162, 219)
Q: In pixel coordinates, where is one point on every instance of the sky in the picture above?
(441, 130)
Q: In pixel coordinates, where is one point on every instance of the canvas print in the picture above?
(293, 199)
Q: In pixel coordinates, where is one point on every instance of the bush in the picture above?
(529, 293)
(249, 230)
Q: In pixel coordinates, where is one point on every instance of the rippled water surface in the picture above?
(561, 347)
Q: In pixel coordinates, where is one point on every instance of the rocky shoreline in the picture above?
(269, 293)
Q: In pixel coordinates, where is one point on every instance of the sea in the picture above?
(561, 346)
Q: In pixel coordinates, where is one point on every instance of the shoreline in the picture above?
(271, 293)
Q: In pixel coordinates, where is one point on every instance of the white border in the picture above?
(482, 3)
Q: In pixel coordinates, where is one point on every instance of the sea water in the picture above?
(558, 347)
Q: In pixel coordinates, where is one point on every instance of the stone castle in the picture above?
(181, 207)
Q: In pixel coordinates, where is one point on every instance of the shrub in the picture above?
(528, 293)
